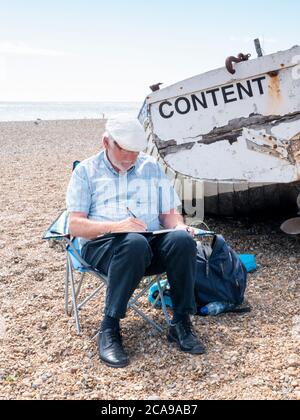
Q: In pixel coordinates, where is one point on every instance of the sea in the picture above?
(31, 111)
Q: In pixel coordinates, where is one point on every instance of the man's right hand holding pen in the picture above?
(130, 225)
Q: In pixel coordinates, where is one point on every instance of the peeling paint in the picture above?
(294, 149)
(170, 146)
(232, 132)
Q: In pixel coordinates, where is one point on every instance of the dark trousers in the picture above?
(127, 258)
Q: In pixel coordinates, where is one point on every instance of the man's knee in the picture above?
(135, 243)
(182, 240)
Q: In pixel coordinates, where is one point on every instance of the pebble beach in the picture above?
(250, 356)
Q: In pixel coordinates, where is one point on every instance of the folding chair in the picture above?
(59, 231)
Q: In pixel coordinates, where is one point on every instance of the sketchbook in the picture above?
(198, 232)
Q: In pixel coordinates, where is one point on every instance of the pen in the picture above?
(130, 212)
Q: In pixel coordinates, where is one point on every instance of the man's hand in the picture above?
(182, 226)
(174, 220)
(130, 225)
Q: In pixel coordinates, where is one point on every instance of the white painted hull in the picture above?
(236, 137)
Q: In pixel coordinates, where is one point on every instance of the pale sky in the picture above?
(95, 50)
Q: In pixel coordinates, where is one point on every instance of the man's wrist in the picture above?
(107, 228)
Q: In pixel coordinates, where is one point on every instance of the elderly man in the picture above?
(125, 192)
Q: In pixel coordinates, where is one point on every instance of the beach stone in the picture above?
(37, 383)
(27, 382)
(91, 354)
(138, 387)
(27, 395)
(95, 396)
(156, 398)
(39, 277)
(293, 372)
(46, 376)
(294, 361)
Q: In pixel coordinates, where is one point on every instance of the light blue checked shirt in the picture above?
(103, 194)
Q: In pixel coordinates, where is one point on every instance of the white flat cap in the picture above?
(128, 133)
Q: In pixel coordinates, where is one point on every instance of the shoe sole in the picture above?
(174, 340)
(112, 365)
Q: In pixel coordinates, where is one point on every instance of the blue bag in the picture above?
(249, 262)
(154, 298)
(221, 276)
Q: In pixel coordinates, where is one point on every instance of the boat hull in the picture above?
(231, 144)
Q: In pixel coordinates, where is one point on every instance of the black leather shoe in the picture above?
(111, 349)
(182, 334)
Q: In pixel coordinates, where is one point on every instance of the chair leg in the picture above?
(82, 304)
(74, 298)
(67, 312)
(146, 318)
(79, 285)
(135, 300)
(134, 305)
(162, 299)
(78, 290)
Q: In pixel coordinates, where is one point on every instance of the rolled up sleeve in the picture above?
(78, 197)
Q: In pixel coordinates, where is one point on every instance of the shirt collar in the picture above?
(112, 169)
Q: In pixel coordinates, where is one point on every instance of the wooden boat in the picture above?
(229, 139)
